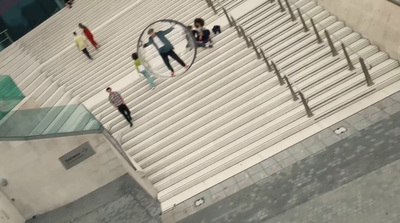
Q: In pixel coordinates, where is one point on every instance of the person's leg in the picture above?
(149, 79)
(206, 36)
(93, 42)
(166, 61)
(122, 110)
(86, 52)
(128, 113)
(176, 57)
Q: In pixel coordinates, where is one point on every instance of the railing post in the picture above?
(236, 27)
(351, 67)
(213, 7)
(366, 73)
(208, 3)
(290, 11)
(227, 17)
(305, 103)
(333, 49)
(302, 21)
(280, 4)
(277, 72)
(266, 60)
(245, 37)
(255, 48)
(8, 36)
(319, 40)
(295, 98)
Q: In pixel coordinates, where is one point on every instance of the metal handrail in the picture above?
(255, 48)
(277, 73)
(364, 64)
(211, 4)
(244, 36)
(227, 16)
(236, 26)
(3, 31)
(305, 104)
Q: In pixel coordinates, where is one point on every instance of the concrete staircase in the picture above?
(200, 128)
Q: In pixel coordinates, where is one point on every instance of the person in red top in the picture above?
(89, 35)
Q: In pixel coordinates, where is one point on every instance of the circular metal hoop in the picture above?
(190, 39)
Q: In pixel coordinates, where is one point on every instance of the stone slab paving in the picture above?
(121, 201)
(308, 170)
(373, 198)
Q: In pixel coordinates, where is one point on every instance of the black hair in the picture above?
(134, 56)
(199, 21)
(75, 33)
(108, 89)
(82, 26)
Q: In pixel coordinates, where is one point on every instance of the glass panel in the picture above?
(43, 122)
(10, 95)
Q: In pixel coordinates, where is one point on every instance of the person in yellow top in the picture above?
(80, 42)
(141, 70)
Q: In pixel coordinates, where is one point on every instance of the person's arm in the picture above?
(148, 43)
(165, 32)
(112, 103)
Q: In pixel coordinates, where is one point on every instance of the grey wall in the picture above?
(39, 182)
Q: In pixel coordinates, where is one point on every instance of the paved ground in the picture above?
(121, 201)
(326, 178)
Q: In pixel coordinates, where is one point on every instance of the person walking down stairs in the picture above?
(118, 102)
(80, 42)
(164, 47)
(89, 35)
(141, 70)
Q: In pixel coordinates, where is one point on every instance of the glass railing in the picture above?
(10, 95)
(49, 122)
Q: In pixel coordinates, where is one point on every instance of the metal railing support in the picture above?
(302, 20)
(213, 8)
(255, 48)
(281, 6)
(351, 67)
(236, 26)
(319, 40)
(290, 11)
(208, 3)
(294, 96)
(227, 17)
(245, 37)
(333, 49)
(366, 73)
(278, 74)
(266, 60)
(8, 37)
(305, 103)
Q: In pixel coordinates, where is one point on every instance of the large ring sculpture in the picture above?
(182, 41)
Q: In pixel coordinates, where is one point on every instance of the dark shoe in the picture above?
(131, 124)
